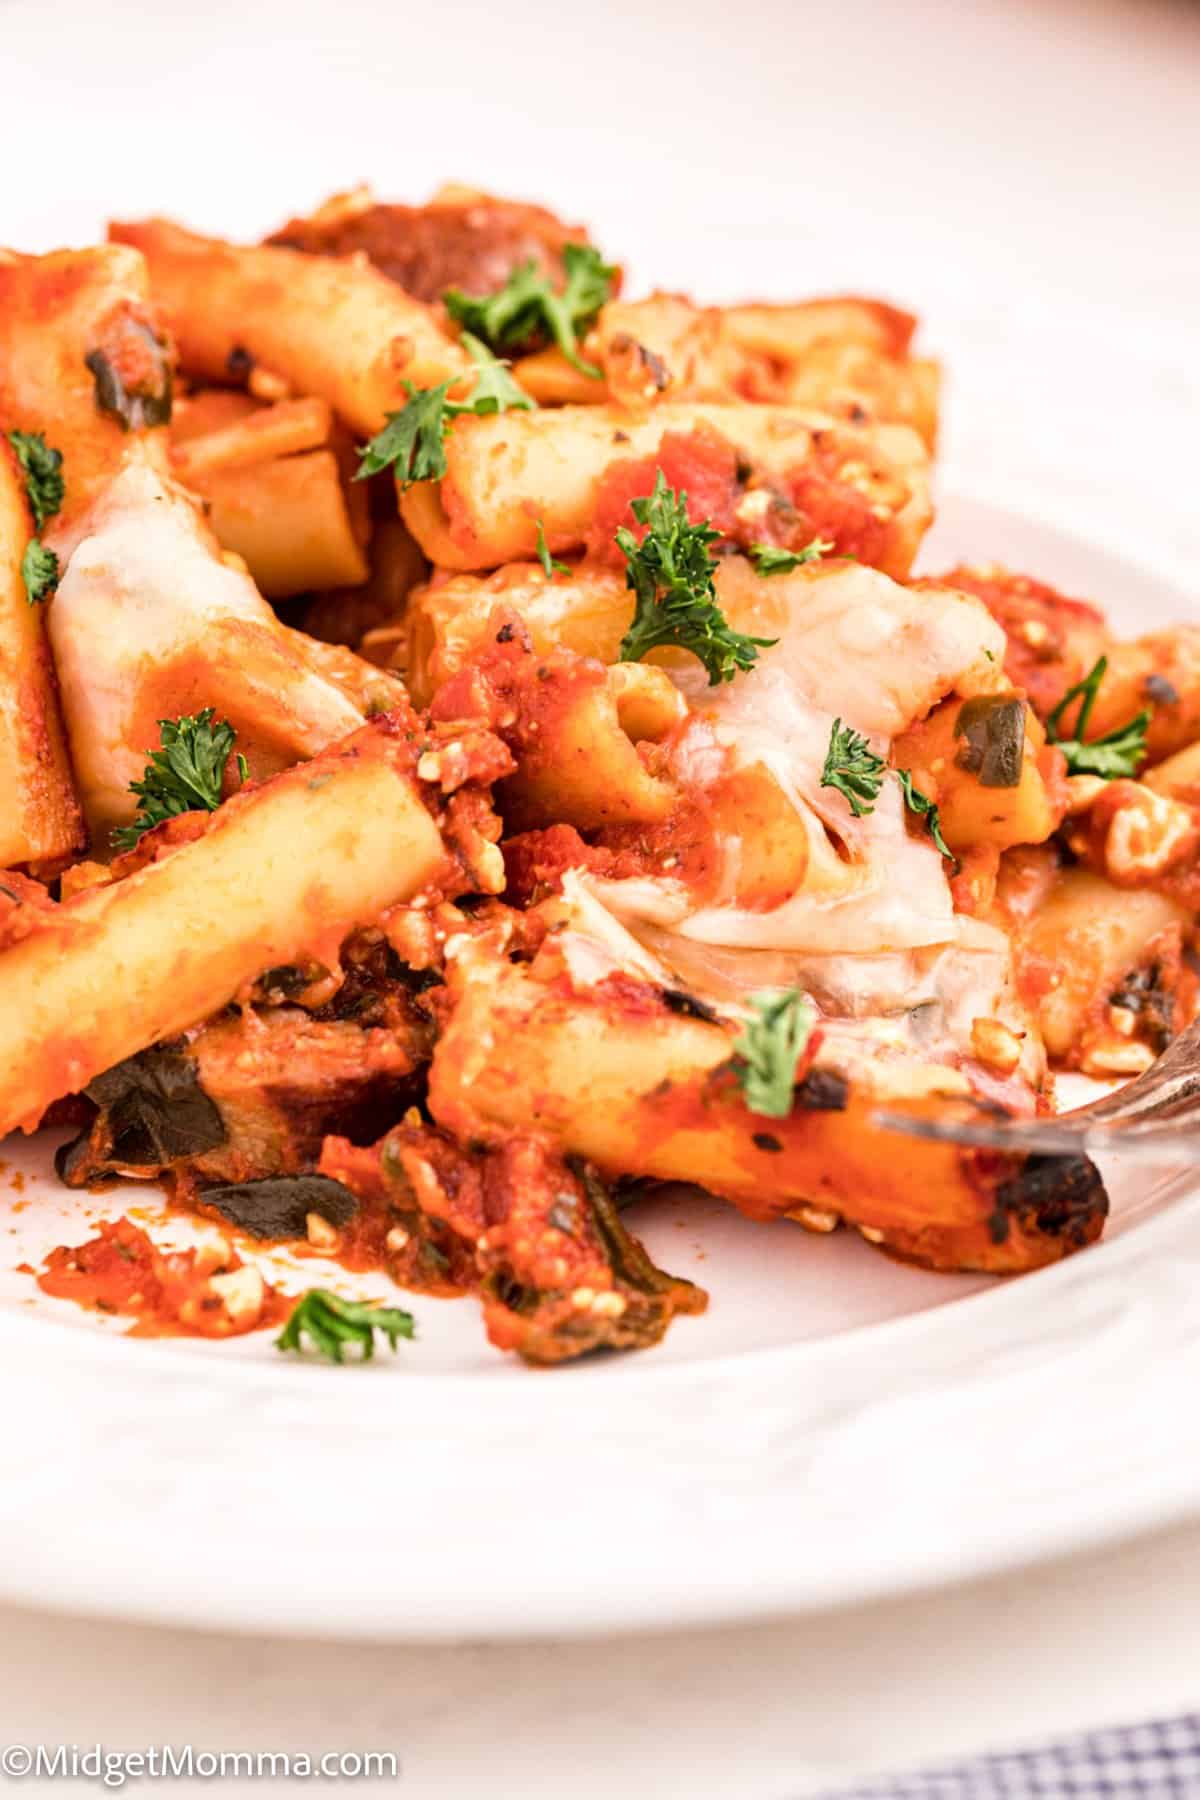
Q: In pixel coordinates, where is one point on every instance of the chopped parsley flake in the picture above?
(671, 574)
(413, 442)
(1119, 753)
(330, 1324)
(767, 1054)
(185, 775)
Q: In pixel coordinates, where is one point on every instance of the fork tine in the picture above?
(1153, 1119)
(1147, 1143)
(1170, 1085)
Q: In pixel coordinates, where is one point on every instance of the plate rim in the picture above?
(62, 1568)
(720, 1545)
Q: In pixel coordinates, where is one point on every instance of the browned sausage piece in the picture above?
(474, 243)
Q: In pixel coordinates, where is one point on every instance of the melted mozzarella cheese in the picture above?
(871, 933)
(149, 622)
(879, 1010)
(855, 646)
(870, 884)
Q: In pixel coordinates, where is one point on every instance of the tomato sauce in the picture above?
(835, 510)
(536, 861)
(396, 1230)
(1052, 640)
(701, 464)
(168, 1293)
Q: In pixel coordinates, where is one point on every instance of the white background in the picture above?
(1026, 176)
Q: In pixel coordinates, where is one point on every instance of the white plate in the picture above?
(836, 1426)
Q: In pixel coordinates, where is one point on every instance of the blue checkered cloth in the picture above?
(1160, 1761)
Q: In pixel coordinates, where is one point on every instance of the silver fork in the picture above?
(1153, 1119)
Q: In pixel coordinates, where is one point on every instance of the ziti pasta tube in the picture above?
(331, 327)
(447, 622)
(1081, 949)
(507, 473)
(40, 819)
(288, 520)
(847, 357)
(282, 875)
(149, 622)
(84, 361)
(248, 434)
(589, 608)
(277, 487)
(615, 1074)
(785, 331)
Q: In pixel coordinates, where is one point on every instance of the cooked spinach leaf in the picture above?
(993, 729)
(278, 1206)
(152, 1112)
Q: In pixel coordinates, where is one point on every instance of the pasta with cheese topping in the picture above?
(475, 735)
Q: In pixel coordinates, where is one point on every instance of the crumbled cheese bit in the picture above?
(1082, 791)
(754, 506)
(1122, 1020)
(816, 1218)
(1146, 836)
(320, 1233)
(1116, 1056)
(996, 1045)
(241, 1292)
(609, 1305)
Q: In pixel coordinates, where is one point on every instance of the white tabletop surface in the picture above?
(1025, 174)
(765, 1713)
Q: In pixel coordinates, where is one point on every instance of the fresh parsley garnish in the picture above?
(529, 305)
(330, 1323)
(548, 562)
(767, 1054)
(411, 441)
(185, 775)
(39, 571)
(414, 439)
(852, 767)
(42, 468)
(769, 559)
(671, 573)
(1116, 754)
(495, 390)
(924, 808)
